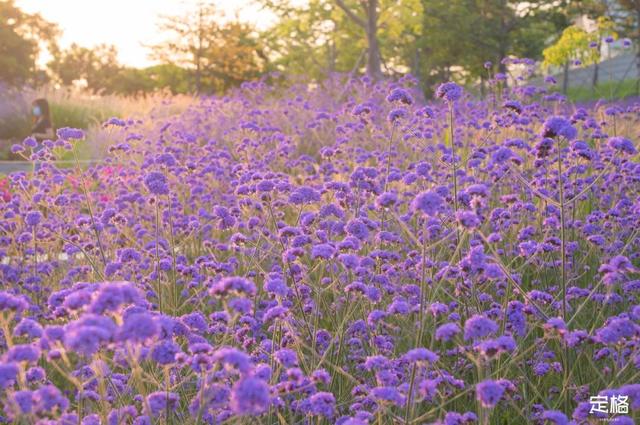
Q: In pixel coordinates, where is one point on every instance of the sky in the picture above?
(127, 24)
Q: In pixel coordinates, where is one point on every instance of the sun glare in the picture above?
(128, 25)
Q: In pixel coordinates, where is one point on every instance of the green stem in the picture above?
(455, 170)
(562, 236)
(158, 255)
(386, 178)
(563, 260)
(407, 411)
(86, 196)
(423, 288)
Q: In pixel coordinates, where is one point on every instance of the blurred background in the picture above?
(93, 59)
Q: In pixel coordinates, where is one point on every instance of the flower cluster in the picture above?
(306, 255)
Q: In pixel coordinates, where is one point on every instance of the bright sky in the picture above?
(127, 24)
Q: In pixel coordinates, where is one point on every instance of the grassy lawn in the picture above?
(608, 90)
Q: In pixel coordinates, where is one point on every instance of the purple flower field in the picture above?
(349, 253)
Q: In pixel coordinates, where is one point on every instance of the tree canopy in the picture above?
(218, 55)
(435, 40)
(22, 37)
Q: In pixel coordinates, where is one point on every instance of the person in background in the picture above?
(42, 125)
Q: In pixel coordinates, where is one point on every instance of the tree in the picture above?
(604, 28)
(315, 40)
(627, 16)
(99, 70)
(369, 23)
(235, 57)
(131, 82)
(318, 37)
(192, 38)
(97, 66)
(459, 36)
(444, 45)
(219, 55)
(22, 36)
(573, 45)
(168, 76)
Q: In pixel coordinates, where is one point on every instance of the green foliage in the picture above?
(318, 38)
(21, 37)
(235, 57)
(67, 113)
(573, 44)
(609, 90)
(435, 40)
(314, 40)
(626, 15)
(97, 66)
(400, 31)
(444, 45)
(217, 56)
(15, 118)
(168, 76)
(459, 36)
(130, 81)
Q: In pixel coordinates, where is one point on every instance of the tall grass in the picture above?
(77, 109)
